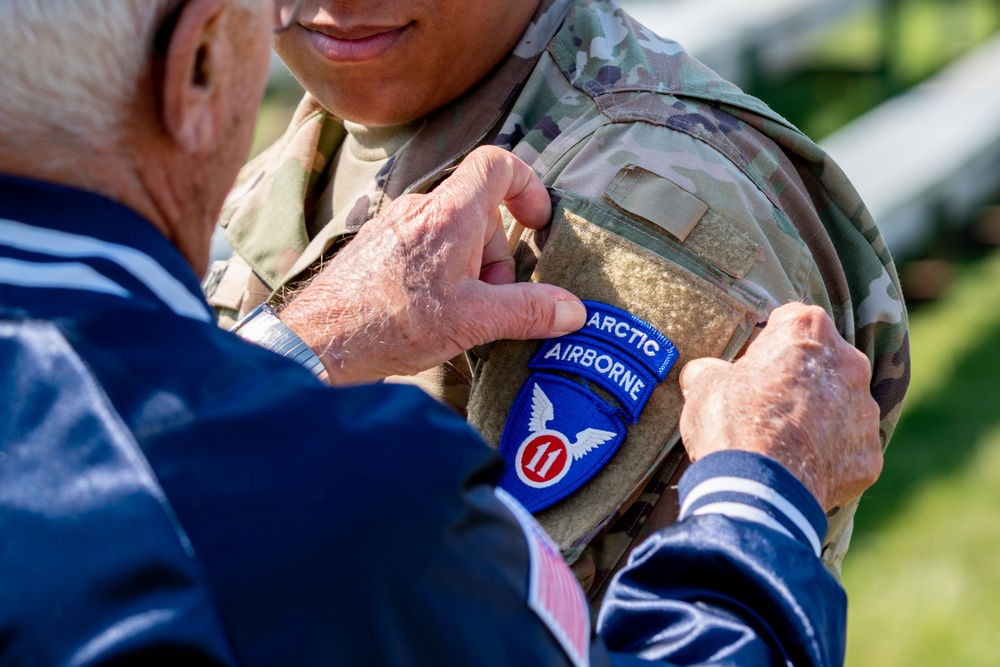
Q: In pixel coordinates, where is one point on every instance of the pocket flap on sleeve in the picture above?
(672, 209)
(657, 200)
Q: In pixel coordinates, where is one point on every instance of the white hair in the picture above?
(69, 69)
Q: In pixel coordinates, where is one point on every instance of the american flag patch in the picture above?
(553, 591)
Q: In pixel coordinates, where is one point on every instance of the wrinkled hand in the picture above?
(800, 396)
(432, 277)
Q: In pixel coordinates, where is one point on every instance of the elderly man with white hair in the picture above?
(157, 507)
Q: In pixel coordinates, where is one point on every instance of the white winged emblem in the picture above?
(542, 412)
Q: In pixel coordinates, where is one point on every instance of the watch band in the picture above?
(263, 327)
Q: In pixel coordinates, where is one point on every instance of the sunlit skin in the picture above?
(387, 62)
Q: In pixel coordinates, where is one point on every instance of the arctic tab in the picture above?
(632, 335)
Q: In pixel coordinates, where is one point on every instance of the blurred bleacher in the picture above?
(740, 39)
(927, 160)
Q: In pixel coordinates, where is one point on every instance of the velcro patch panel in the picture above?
(611, 258)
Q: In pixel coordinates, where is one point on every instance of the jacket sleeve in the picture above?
(737, 581)
(375, 536)
(468, 575)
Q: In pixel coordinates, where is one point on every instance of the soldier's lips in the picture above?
(356, 46)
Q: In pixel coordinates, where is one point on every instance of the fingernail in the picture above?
(570, 316)
(690, 372)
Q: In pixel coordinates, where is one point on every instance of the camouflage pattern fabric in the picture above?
(631, 125)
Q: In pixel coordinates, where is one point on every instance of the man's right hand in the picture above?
(433, 276)
(799, 395)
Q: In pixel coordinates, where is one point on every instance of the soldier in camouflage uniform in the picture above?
(679, 199)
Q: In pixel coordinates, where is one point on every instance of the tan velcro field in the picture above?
(606, 256)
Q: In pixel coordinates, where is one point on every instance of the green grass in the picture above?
(923, 573)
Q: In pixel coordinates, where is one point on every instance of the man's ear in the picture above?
(192, 69)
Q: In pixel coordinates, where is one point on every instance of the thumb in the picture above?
(695, 368)
(525, 311)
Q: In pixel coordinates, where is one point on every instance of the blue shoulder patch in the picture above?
(559, 432)
(558, 435)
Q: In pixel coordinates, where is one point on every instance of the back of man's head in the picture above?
(69, 68)
(148, 102)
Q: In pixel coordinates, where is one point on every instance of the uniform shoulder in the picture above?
(602, 50)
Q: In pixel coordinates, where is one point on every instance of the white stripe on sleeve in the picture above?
(143, 267)
(744, 512)
(67, 275)
(758, 490)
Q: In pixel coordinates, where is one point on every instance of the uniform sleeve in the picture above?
(768, 211)
(737, 581)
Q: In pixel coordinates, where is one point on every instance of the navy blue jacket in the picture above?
(172, 494)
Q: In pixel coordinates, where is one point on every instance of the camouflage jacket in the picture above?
(679, 199)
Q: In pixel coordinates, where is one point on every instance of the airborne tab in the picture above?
(617, 373)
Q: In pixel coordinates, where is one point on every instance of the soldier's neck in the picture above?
(373, 144)
(357, 162)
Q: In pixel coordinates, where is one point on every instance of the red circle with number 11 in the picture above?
(543, 459)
